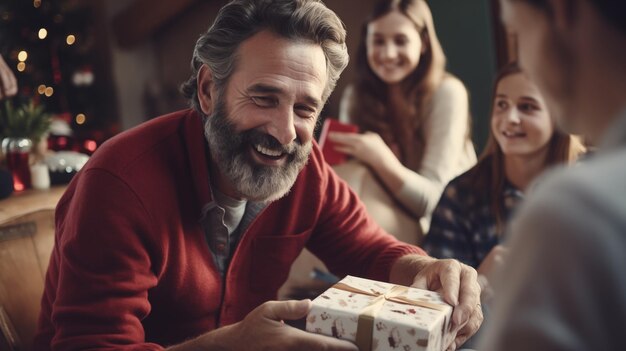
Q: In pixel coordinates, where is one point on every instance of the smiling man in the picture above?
(564, 287)
(261, 129)
(179, 233)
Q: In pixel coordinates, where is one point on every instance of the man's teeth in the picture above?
(268, 152)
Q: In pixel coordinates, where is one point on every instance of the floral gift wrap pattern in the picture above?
(381, 316)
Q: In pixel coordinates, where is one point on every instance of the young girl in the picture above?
(468, 223)
(415, 115)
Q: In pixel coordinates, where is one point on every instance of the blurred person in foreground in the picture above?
(564, 284)
(178, 233)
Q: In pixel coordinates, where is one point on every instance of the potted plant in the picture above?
(20, 129)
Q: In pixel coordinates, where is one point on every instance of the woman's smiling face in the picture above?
(520, 121)
(394, 47)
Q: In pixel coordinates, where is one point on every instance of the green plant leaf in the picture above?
(26, 121)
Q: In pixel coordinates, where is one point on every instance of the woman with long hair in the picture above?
(414, 114)
(468, 223)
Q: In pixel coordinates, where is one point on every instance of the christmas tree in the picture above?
(56, 50)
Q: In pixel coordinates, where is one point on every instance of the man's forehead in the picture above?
(269, 60)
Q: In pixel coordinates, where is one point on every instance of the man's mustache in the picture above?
(256, 137)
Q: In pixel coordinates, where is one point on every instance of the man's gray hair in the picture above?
(307, 20)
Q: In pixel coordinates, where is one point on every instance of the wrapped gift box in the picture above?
(381, 316)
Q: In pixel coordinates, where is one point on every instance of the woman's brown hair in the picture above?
(370, 108)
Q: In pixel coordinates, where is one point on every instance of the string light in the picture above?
(22, 56)
(43, 33)
(80, 118)
(49, 91)
(70, 39)
(41, 89)
(90, 145)
(21, 66)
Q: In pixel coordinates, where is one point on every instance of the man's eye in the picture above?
(264, 101)
(305, 111)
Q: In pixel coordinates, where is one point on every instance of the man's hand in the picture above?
(264, 329)
(457, 283)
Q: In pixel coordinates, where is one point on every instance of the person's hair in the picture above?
(298, 20)
(490, 174)
(369, 106)
(614, 11)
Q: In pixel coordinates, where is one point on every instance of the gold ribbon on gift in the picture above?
(365, 326)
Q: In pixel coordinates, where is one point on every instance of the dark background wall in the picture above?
(465, 31)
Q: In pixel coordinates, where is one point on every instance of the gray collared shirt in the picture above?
(221, 243)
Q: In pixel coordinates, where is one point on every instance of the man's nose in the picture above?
(282, 126)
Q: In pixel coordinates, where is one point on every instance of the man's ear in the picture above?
(205, 89)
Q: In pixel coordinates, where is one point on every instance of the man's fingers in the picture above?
(469, 296)
(452, 346)
(420, 281)
(262, 329)
(289, 310)
(471, 327)
(441, 276)
(449, 276)
(460, 288)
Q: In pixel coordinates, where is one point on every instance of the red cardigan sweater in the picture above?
(131, 268)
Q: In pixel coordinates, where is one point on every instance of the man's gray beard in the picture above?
(230, 151)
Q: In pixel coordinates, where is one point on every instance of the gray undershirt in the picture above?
(234, 210)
